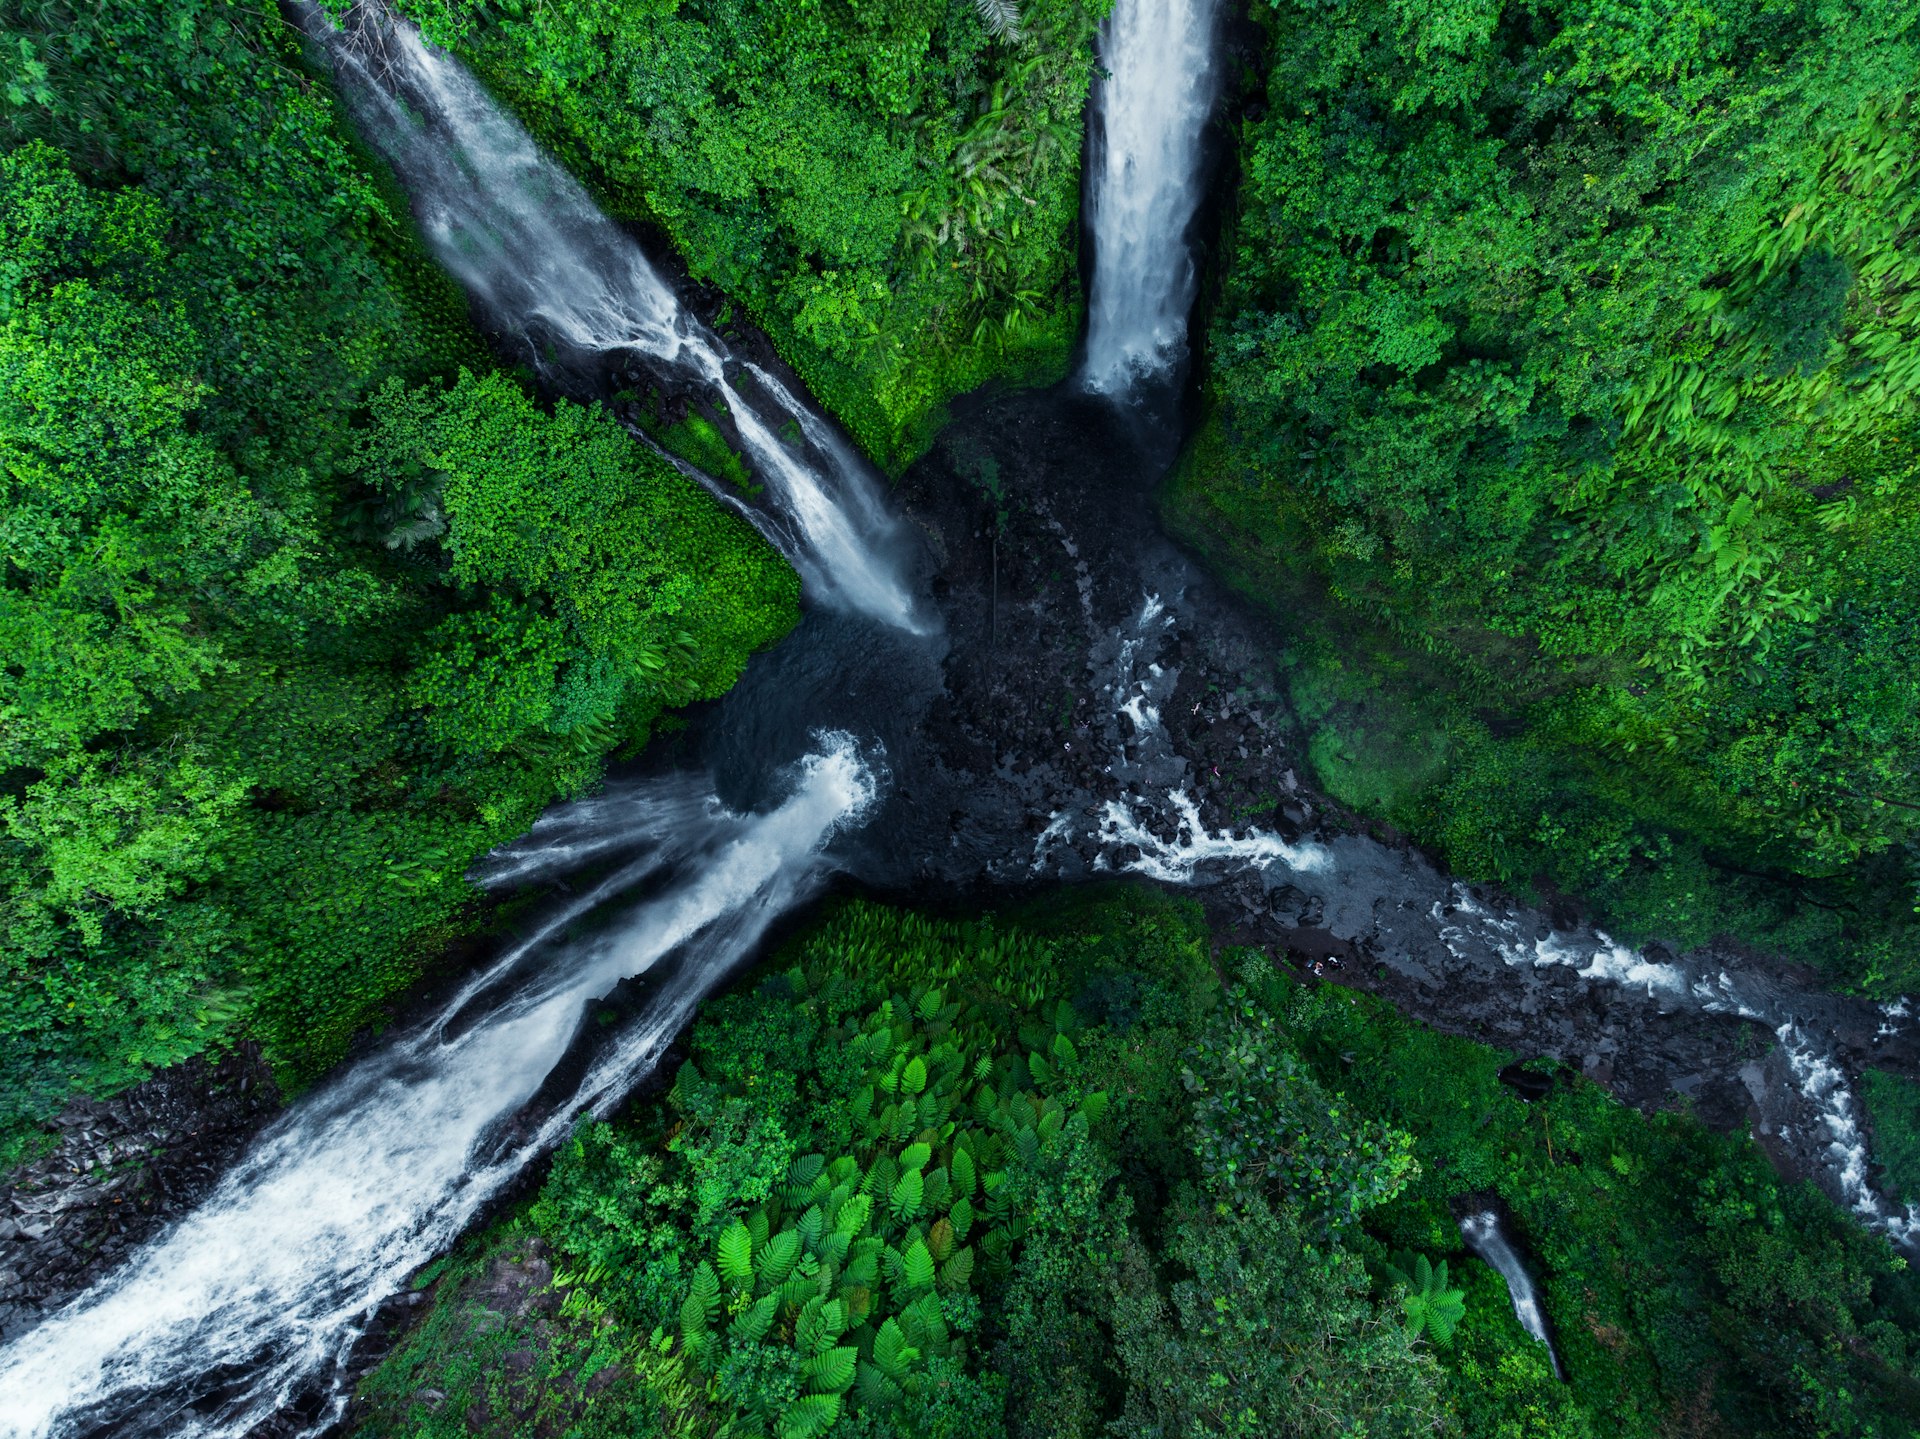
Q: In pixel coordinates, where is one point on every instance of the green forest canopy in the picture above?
(892, 191)
(1563, 351)
(306, 605)
(1046, 1177)
(1570, 348)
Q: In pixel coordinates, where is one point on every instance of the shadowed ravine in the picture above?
(1087, 710)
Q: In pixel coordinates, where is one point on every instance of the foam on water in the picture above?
(526, 239)
(260, 1291)
(1823, 1085)
(1143, 186)
(1177, 859)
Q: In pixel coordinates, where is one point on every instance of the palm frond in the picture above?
(1002, 17)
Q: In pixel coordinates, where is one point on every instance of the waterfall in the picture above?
(1487, 1238)
(261, 1291)
(1143, 186)
(529, 244)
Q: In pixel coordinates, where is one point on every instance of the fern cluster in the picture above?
(997, 969)
(842, 1272)
(1431, 1305)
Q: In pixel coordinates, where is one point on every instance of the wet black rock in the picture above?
(118, 1170)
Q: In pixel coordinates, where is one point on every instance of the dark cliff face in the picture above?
(118, 1170)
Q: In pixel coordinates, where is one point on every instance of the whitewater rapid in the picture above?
(1154, 827)
(528, 243)
(259, 1294)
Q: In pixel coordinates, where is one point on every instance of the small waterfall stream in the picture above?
(529, 244)
(1487, 1238)
(1144, 186)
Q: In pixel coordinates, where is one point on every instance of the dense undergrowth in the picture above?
(1053, 1174)
(303, 604)
(891, 192)
(1563, 392)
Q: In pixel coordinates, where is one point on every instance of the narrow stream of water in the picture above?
(828, 754)
(1487, 1237)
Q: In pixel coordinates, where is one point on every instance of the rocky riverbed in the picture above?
(1129, 709)
(1100, 705)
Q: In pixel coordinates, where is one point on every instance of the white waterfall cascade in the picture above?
(1143, 186)
(528, 242)
(262, 1290)
(1487, 1238)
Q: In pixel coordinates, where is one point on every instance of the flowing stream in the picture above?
(1144, 186)
(229, 1316)
(528, 243)
(825, 756)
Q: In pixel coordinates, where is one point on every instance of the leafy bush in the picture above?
(891, 191)
(294, 630)
(853, 1267)
(1263, 1123)
(1893, 1104)
(1564, 351)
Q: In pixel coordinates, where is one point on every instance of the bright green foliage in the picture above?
(889, 190)
(1681, 1274)
(1893, 1107)
(1572, 345)
(293, 631)
(1263, 1123)
(1111, 1289)
(615, 586)
(1432, 1308)
(849, 1270)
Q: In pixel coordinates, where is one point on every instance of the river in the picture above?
(903, 737)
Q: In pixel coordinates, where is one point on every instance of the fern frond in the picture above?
(851, 1218)
(916, 1266)
(907, 1195)
(963, 1173)
(706, 1289)
(832, 1372)
(876, 1391)
(892, 1354)
(734, 1251)
(809, 1417)
(1001, 17)
(957, 1273)
(750, 1326)
(777, 1259)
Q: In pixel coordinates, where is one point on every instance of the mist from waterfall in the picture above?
(527, 241)
(1144, 185)
(259, 1294)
